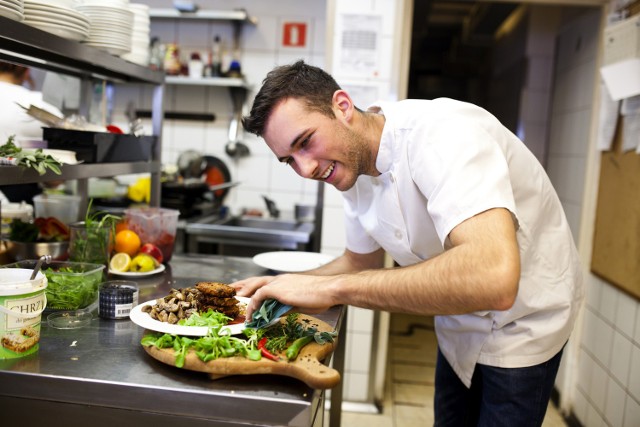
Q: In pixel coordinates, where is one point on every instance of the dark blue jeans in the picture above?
(497, 397)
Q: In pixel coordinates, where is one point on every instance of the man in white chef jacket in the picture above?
(466, 211)
(16, 92)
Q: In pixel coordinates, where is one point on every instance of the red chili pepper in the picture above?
(262, 345)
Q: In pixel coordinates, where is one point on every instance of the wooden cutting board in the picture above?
(307, 367)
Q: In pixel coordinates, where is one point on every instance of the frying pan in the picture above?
(216, 173)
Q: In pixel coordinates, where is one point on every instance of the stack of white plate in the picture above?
(111, 23)
(139, 35)
(12, 9)
(56, 17)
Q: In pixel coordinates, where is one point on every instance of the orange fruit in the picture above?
(127, 241)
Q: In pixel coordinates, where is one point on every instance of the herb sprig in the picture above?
(35, 159)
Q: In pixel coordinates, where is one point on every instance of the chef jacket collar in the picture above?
(384, 159)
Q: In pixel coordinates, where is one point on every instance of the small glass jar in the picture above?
(117, 298)
(90, 243)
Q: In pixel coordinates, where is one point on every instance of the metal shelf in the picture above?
(239, 15)
(26, 45)
(207, 81)
(31, 46)
(10, 175)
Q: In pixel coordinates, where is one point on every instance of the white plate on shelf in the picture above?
(143, 319)
(11, 13)
(64, 12)
(140, 274)
(291, 261)
(12, 5)
(67, 157)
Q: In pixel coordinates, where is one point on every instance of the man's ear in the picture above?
(343, 105)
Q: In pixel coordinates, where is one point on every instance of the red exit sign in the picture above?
(294, 34)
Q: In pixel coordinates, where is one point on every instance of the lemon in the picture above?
(143, 263)
(120, 262)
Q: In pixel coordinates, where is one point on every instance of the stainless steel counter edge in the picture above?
(185, 403)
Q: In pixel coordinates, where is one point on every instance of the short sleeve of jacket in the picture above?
(459, 164)
(358, 240)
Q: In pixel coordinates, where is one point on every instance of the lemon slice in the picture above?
(120, 262)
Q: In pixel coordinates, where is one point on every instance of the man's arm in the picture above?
(480, 271)
(350, 262)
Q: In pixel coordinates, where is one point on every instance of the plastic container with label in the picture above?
(22, 302)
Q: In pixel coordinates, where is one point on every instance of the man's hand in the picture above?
(311, 294)
(247, 287)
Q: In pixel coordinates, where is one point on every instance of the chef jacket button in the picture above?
(398, 234)
(391, 178)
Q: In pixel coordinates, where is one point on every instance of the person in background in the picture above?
(16, 91)
(467, 213)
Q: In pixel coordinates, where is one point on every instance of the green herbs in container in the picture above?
(71, 285)
(91, 240)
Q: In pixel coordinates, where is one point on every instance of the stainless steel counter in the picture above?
(100, 375)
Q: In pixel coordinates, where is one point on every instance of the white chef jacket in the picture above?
(442, 162)
(14, 120)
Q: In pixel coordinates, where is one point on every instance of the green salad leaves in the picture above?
(291, 335)
(216, 344)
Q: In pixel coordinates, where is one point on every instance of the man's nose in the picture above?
(306, 165)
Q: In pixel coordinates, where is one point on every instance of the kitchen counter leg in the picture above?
(335, 412)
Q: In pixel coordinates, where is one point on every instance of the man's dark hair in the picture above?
(310, 84)
(13, 69)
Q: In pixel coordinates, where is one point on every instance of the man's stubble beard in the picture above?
(358, 158)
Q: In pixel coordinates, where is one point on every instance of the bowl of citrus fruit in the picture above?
(133, 257)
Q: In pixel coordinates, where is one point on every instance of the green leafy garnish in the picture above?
(35, 159)
(282, 334)
(70, 288)
(210, 347)
(269, 311)
(210, 318)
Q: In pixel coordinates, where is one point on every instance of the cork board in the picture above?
(616, 242)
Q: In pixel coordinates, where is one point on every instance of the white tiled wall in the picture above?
(603, 379)
(259, 174)
(607, 388)
(364, 88)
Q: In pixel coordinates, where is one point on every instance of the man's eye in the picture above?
(305, 142)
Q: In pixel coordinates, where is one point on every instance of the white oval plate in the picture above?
(63, 156)
(136, 274)
(291, 261)
(143, 319)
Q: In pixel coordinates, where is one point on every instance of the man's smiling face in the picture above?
(316, 146)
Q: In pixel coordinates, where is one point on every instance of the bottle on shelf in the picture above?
(172, 64)
(156, 54)
(216, 57)
(235, 70)
(195, 66)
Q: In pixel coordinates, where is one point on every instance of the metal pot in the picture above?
(19, 251)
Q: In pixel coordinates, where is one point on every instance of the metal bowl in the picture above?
(18, 251)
